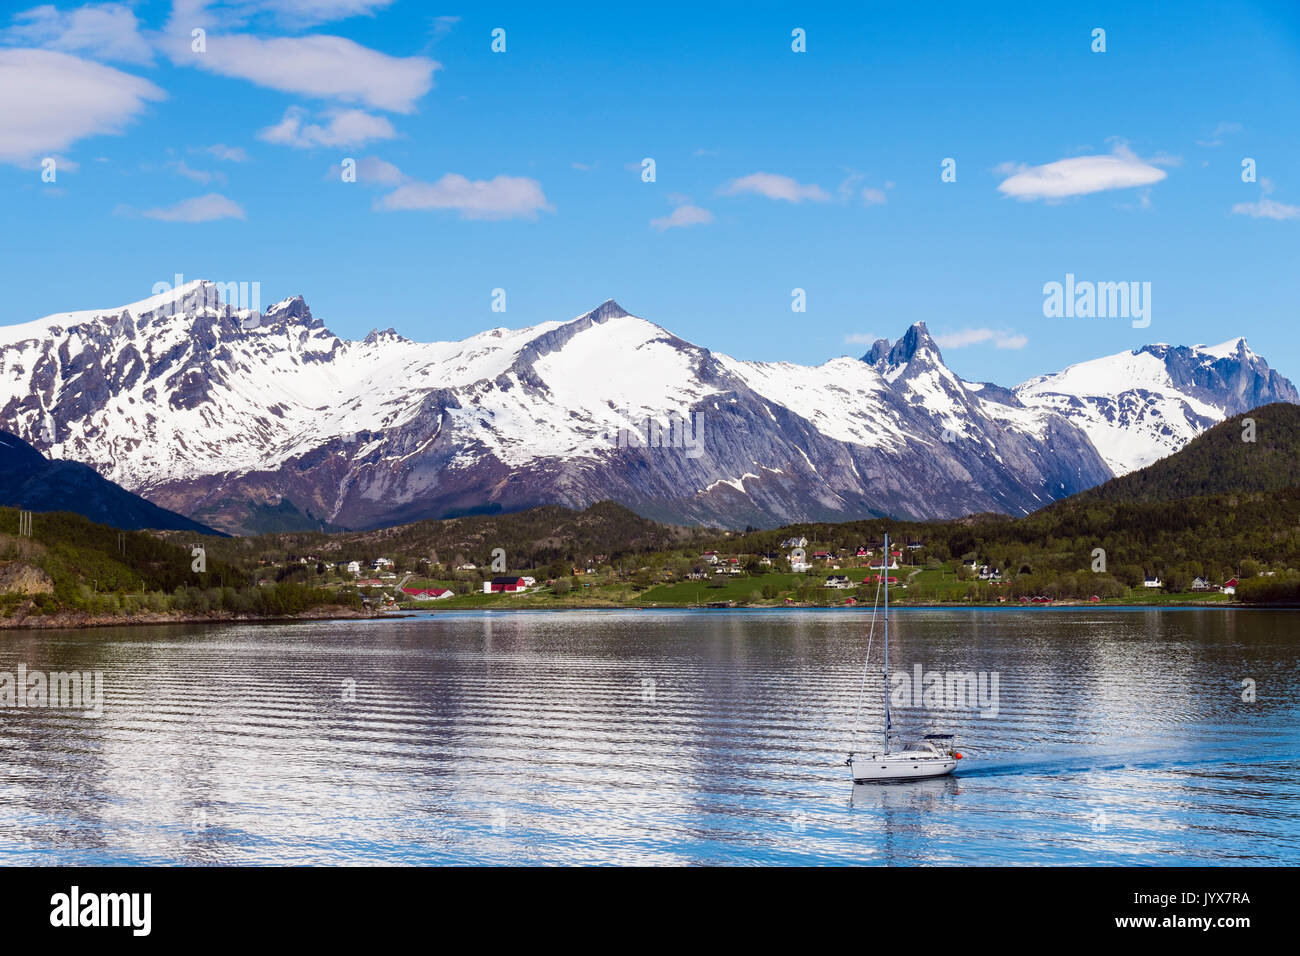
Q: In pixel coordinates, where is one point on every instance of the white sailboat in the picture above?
(933, 755)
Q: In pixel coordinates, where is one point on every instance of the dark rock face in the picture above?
(1241, 381)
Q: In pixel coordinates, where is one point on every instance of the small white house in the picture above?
(381, 564)
(1153, 582)
(429, 594)
(354, 567)
(839, 581)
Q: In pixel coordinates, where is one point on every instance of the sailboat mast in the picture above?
(884, 570)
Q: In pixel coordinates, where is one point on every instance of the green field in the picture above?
(736, 588)
(916, 586)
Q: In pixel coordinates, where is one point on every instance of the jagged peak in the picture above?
(384, 335)
(916, 339)
(878, 352)
(609, 309)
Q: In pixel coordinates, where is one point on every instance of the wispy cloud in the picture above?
(295, 14)
(1216, 138)
(502, 197)
(848, 190)
(49, 100)
(229, 154)
(684, 215)
(1079, 175)
(344, 128)
(372, 169)
(317, 65)
(105, 31)
(1266, 209)
(775, 186)
(443, 25)
(999, 338)
(181, 168)
(207, 208)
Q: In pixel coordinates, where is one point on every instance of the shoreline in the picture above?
(80, 620)
(1057, 606)
(83, 621)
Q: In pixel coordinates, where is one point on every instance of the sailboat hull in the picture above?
(885, 768)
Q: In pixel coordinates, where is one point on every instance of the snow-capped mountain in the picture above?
(249, 421)
(1137, 407)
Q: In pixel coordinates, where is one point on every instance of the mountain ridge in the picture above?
(237, 418)
(29, 481)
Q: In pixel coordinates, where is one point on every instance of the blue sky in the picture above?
(774, 169)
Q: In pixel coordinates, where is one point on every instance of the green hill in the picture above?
(73, 566)
(1221, 507)
(1220, 461)
(530, 539)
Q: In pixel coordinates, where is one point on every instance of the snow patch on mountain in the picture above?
(216, 410)
(1139, 406)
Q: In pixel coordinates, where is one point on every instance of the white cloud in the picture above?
(65, 165)
(372, 169)
(49, 100)
(774, 186)
(230, 154)
(1266, 209)
(181, 168)
(684, 215)
(858, 338)
(1216, 138)
(848, 189)
(1000, 338)
(1079, 176)
(318, 65)
(345, 128)
(292, 13)
(502, 197)
(107, 31)
(443, 25)
(199, 209)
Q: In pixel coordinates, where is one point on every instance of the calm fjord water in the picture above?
(657, 737)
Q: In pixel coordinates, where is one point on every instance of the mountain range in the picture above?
(250, 421)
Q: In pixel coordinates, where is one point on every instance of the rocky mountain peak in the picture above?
(291, 309)
(915, 341)
(609, 309)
